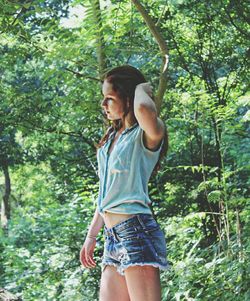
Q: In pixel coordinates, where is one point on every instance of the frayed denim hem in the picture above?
(121, 269)
(103, 265)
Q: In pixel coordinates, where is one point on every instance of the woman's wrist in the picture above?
(91, 237)
(91, 234)
(144, 87)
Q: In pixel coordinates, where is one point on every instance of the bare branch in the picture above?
(83, 75)
(32, 126)
(164, 52)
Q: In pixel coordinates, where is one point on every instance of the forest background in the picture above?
(52, 56)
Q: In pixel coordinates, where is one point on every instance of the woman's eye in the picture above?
(106, 100)
(109, 100)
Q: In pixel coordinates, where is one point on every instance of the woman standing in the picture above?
(135, 247)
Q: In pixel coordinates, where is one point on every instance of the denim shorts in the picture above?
(135, 241)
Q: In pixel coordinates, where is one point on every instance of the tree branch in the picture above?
(246, 34)
(55, 130)
(164, 52)
(83, 75)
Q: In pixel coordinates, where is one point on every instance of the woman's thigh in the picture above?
(113, 285)
(143, 283)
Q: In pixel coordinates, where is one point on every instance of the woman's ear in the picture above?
(126, 107)
(128, 104)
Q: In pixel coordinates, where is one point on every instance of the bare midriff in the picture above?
(111, 219)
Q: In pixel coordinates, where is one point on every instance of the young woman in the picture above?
(135, 247)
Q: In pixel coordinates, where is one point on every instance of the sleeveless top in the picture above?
(124, 174)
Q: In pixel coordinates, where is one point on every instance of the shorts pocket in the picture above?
(151, 225)
(158, 242)
(128, 234)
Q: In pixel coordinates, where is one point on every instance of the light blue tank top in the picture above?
(124, 174)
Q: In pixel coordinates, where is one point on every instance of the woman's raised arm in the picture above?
(147, 117)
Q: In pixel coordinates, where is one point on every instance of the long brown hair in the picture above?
(124, 80)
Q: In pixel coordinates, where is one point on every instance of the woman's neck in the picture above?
(128, 122)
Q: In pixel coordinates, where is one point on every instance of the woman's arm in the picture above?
(95, 225)
(146, 115)
(87, 251)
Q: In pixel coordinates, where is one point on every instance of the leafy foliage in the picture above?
(50, 121)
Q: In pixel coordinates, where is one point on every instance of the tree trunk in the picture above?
(5, 205)
(101, 58)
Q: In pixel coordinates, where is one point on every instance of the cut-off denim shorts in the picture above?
(137, 241)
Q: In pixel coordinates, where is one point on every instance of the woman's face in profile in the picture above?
(112, 104)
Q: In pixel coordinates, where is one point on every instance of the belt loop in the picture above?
(141, 223)
(115, 234)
